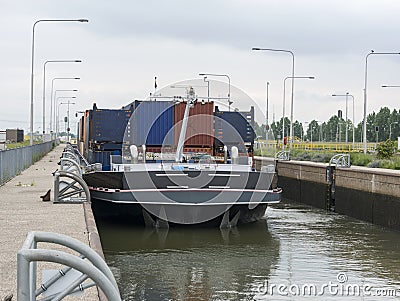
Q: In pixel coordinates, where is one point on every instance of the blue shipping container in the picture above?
(234, 127)
(108, 125)
(152, 123)
(102, 157)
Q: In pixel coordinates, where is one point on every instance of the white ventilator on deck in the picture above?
(134, 153)
(144, 153)
(225, 154)
(235, 155)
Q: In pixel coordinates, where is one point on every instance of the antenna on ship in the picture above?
(155, 86)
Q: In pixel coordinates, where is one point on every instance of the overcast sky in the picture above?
(127, 43)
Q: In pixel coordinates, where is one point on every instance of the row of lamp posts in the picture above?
(44, 76)
(293, 77)
(346, 95)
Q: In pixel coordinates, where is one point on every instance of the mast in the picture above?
(190, 103)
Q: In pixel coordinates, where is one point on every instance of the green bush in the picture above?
(321, 157)
(361, 159)
(358, 159)
(385, 163)
(386, 149)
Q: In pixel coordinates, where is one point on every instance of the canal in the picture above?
(296, 253)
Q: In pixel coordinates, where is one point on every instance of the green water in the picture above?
(296, 253)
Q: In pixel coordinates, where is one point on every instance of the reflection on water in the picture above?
(296, 245)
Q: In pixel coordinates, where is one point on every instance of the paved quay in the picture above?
(22, 210)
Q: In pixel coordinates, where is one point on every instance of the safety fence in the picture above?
(317, 145)
(14, 161)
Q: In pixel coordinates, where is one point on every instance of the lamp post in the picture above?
(293, 77)
(312, 129)
(266, 117)
(365, 94)
(58, 112)
(394, 122)
(67, 123)
(54, 99)
(346, 95)
(33, 59)
(51, 99)
(44, 85)
(229, 85)
(208, 86)
(305, 125)
(390, 129)
(283, 110)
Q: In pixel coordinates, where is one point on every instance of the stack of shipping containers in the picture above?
(234, 129)
(200, 129)
(152, 124)
(103, 133)
(157, 125)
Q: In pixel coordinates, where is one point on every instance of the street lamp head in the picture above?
(202, 74)
(255, 48)
(372, 51)
(78, 61)
(311, 77)
(334, 95)
(77, 78)
(83, 20)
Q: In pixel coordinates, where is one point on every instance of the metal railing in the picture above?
(340, 160)
(87, 265)
(14, 161)
(282, 155)
(69, 186)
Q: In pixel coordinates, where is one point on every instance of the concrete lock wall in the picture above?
(369, 194)
(14, 161)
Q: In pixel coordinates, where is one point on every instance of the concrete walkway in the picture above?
(22, 211)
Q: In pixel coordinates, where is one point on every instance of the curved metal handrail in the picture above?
(97, 269)
(283, 155)
(69, 153)
(340, 160)
(62, 194)
(25, 257)
(67, 162)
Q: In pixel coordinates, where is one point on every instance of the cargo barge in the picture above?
(180, 188)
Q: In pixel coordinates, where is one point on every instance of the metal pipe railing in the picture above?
(94, 267)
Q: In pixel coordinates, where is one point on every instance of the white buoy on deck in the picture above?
(134, 153)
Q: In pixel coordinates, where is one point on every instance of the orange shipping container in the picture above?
(200, 128)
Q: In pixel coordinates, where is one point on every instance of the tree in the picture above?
(386, 149)
(331, 129)
(298, 130)
(277, 128)
(313, 131)
(259, 130)
(382, 120)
